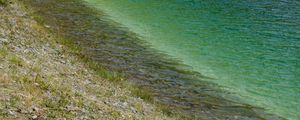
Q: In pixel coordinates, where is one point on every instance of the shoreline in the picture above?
(44, 77)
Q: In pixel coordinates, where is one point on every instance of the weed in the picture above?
(3, 51)
(14, 100)
(38, 19)
(3, 2)
(16, 61)
(104, 73)
(139, 106)
(70, 44)
(115, 114)
(143, 93)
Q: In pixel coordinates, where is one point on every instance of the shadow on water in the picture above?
(117, 49)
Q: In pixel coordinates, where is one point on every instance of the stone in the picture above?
(34, 117)
(13, 113)
(46, 26)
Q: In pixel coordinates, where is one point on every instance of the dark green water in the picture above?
(251, 48)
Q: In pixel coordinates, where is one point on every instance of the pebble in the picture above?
(63, 62)
(85, 82)
(36, 84)
(34, 117)
(12, 113)
(47, 26)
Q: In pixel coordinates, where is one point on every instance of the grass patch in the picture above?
(142, 93)
(38, 19)
(16, 61)
(148, 96)
(167, 110)
(115, 114)
(3, 51)
(55, 104)
(104, 73)
(74, 48)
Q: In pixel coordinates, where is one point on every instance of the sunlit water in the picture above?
(250, 47)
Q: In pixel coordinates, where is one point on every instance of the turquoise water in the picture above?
(250, 48)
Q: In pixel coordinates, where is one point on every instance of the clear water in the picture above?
(250, 47)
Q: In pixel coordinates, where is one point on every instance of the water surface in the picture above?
(250, 48)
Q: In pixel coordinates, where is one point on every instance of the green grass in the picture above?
(3, 51)
(38, 19)
(141, 92)
(104, 73)
(16, 61)
(53, 106)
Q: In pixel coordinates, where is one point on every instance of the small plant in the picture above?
(38, 19)
(17, 61)
(142, 93)
(3, 2)
(107, 74)
(3, 51)
(115, 114)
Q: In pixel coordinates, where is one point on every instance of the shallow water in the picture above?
(209, 59)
